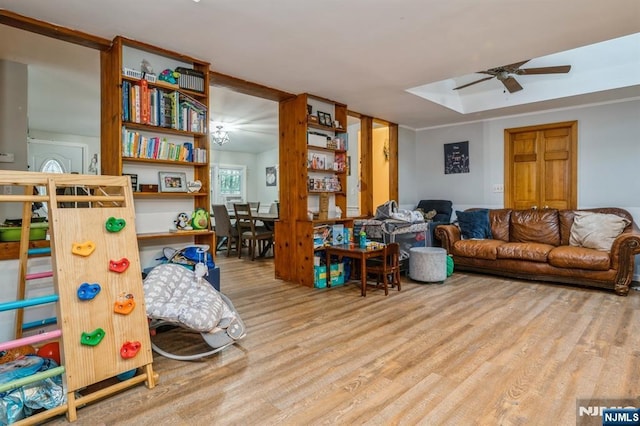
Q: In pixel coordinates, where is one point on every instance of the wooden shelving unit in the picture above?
(127, 53)
(294, 230)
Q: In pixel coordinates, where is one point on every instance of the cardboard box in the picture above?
(336, 274)
(320, 276)
(338, 234)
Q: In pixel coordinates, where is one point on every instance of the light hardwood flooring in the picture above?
(477, 350)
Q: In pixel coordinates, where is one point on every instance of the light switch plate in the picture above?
(6, 157)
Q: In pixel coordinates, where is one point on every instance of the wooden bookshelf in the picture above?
(294, 230)
(127, 53)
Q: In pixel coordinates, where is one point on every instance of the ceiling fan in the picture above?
(504, 74)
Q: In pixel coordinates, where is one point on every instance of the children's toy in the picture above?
(50, 350)
(169, 76)
(16, 353)
(182, 222)
(200, 219)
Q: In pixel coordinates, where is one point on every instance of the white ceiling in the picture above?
(365, 53)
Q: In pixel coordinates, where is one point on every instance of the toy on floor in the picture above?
(16, 353)
(50, 350)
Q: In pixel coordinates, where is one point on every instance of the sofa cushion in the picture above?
(481, 249)
(579, 258)
(534, 252)
(474, 224)
(535, 226)
(596, 230)
(499, 219)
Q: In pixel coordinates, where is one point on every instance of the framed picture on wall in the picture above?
(456, 157)
(272, 176)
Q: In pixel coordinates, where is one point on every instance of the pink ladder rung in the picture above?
(30, 340)
(37, 275)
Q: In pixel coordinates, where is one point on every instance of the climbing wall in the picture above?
(94, 242)
(102, 325)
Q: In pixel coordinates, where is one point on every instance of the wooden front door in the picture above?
(541, 166)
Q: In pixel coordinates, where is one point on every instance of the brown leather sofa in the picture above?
(534, 245)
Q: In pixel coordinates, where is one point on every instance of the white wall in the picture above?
(256, 163)
(608, 159)
(263, 193)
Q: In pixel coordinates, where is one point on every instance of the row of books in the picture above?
(163, 108)
(135, 145)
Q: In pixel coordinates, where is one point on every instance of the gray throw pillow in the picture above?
(596, 230)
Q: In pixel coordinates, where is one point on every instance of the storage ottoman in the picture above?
(428, 264)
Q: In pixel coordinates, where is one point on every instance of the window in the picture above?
(229, 184)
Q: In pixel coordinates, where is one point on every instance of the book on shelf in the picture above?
(135, 145)
(145, 103)
(163, 108)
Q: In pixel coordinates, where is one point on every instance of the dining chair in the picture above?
(224, 228)
(247, 229)
(388, 270)
(255, 205)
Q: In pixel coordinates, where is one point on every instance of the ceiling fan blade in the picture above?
(511, 84)
(473, 82)
(512, 68)
(560, 69)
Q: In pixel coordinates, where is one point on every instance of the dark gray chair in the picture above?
(224, 228)
(247, 230)
(444, 210)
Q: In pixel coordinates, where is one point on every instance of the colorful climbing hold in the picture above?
(88, 291)
(115, 225)
(125, 304)
(92, 338)
(130, 349)
(83, 249)
(119, 266)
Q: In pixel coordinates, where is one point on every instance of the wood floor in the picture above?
(477, 350)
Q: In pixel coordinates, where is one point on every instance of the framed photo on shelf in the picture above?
(172, 182)
(321, 118)
(327, 120)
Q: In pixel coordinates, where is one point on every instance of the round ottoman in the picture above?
(428, 264)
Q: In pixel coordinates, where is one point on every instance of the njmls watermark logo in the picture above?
(608, 412)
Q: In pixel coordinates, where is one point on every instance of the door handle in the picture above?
(534, 207)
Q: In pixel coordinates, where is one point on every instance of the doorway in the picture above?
(56, 157)
(541, 166)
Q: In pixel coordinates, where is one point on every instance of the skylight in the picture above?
(602, 66)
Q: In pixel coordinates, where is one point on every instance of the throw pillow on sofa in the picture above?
(596, 230)
(474, 224)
